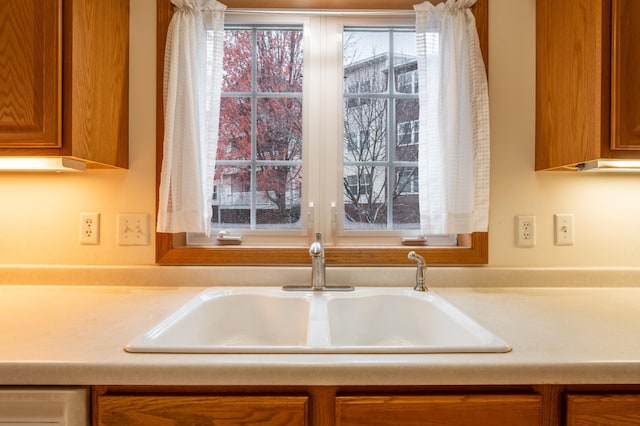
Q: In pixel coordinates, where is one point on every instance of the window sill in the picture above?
(172, 250)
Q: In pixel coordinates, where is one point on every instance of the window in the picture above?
(259, 159)
(408, 132)
(407, 181)
(374, 58)
(282, 174)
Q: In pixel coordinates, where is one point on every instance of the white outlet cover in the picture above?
(525, 231)
(89, 228)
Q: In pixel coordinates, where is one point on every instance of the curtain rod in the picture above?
(324, 12)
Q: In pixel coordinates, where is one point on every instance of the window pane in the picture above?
(365, 130)
(365, 190)
(405, 62)
(237, 61)
(366, 61)
(234, 135)
(232, 197)
(406, 211)
(279, 129)
(279, 60)
(407, 129)
(278, 197)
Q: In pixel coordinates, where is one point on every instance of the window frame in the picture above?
(172, 249)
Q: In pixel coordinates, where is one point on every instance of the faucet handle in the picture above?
(316, 248)
(421, 272)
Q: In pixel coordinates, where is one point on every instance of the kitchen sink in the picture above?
(269, 320)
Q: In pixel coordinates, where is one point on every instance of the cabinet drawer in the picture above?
(603, 409)
(438, 410)
(144, 410)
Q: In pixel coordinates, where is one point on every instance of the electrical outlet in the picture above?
(525, 231)
(89, 228)
(133, 229)
(563, 229)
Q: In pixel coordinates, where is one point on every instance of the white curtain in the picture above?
(454, 120)
(192, 86)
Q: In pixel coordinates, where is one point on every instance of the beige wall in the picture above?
(39, 214)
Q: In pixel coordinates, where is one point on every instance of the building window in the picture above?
(407, 181)
(408, 80)
(408, 132)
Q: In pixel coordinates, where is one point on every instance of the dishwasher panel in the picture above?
(44, 406)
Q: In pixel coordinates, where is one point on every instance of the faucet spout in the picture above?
(318, 265)
(318, 270)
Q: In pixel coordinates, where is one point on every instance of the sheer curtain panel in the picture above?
(192, 85)
(454, 120)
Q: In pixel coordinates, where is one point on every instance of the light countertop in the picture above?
(74, 335)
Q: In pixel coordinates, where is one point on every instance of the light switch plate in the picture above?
(563, 229)
(133, 229)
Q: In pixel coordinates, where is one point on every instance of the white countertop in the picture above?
(74, 335)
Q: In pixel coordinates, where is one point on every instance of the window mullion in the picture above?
(391, 134)
(254, 128)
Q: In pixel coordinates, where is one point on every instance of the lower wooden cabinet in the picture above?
(517, 405)
(603, 409)
(439, 410)
(158, 410)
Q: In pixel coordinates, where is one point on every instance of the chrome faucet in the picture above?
(318, 271)
(318, 265)
(421, 272)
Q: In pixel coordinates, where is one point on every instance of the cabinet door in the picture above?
(625, 77)
(603, 410)
(96, 81)
(572, 81)
(144, 410)
(30, 73)
(439, 410)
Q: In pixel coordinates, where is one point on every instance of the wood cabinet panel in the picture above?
(96, 81)
(603, 410)
(195, 410)
(572, 81)
(30, 73)
(439, 410)
(64, 80)
(587, 81)
(625, 77)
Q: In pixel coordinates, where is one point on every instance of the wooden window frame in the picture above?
(171, 249)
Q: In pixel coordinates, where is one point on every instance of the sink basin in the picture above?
(231, 320)
(406, 321)
(269, 320)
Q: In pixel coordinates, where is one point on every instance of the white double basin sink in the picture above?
(270, 320)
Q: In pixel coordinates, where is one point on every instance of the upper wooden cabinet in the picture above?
(625, 75)
(64, 80)
(30, 73)
(587, 81)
